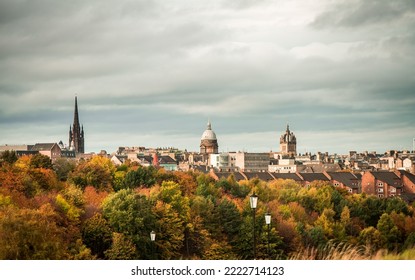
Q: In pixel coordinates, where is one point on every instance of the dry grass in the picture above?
(342, 251)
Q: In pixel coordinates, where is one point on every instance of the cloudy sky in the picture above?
(151, 73)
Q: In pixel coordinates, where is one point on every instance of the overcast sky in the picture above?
(151, 73)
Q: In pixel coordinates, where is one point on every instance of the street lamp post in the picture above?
(253, 200)
(153, 239)
(268, 222)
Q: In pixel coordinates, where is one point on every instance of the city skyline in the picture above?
(149, 73)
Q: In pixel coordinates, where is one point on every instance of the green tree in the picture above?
(41, 161)
(98, 172)
(409, 242)
(8, 156)
(170, 231)
(97, 235)
(371, 238)
(220, 251)
(206, 187)
(142, 177)
(63, 167)
(122, 248)
(389, 232)
(274, 250)
(119, 180)
(326, 222)
(229, 219)
(131, 214)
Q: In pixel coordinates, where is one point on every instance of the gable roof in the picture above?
(147, 159)
(346, 178)
(200, 168)
(166, 160)
(388, 177)
(290, 176)
(408, 175)
(264, 176)
(310, 177)
(238, 176)
(43, 146)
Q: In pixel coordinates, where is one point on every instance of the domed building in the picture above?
(288, 144)
(209, 142)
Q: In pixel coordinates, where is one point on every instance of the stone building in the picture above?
(76, 133)
(208, 142)
(288, 144)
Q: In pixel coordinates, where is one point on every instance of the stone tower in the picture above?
(76, 133)
(209, 142)
(288, 144)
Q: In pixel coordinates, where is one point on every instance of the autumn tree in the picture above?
(8, 156)
(63, 167)
(131, 214)
(41, 161)
(122, 248)
(97, 172)
(142, 177)
(29, 234)
(389, 233)
(97, 235)
(170, 230)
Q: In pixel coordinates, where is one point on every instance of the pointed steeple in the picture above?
(76, 117)
(76, 135)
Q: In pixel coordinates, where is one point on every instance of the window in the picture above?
(393, 190)
(336, 184)
(350, 190)
(380, 184)
(380, 195)
(380, 190)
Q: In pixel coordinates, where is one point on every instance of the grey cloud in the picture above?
(363, 12)
(154, 71)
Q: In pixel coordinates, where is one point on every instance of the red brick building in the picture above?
(381, 184)
(345, 180)
(408, 181)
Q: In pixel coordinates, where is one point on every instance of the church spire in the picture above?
(76, 135)
(76, 117)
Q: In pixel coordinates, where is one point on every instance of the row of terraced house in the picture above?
(380, 183)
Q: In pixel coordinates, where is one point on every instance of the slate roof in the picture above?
(43, 146)
(265, 176)
(147, 159)
(166, 160)
(284, 176)
(200, 168)
(238, 176)
(346, 178)
(310, 177)
(408, 175)
(68, 154)
(358, 175)
(388, 177)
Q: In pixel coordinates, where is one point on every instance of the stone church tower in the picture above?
(288, 144)
(209, 142)
(76, 133)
